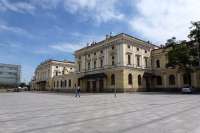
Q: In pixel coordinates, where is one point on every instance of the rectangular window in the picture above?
(88, 65)
(101, 63)
(138, 61)
(129, 59)
(113, 60)
(79, 67)
(146, 62)
(94, 64)
(69, 83)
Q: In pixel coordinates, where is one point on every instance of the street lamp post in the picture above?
(115, 91)
(198, 51)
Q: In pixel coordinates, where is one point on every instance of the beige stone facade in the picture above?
(65, 83)
(118, 62)
(170, 78)
(45, 72)
(122, 63)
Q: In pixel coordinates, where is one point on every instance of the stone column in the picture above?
(179, 80)
(142, 61)
(194, 79)
(106, 56)
(165, 80)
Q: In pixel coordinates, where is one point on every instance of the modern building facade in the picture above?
(10, 75)
(45, 72)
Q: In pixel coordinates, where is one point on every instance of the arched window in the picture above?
(159, 80)
(69, 82)
(130, 82)
(112, 79)
(139, 80)
(171, 80)
(57, 84)
(186, 79)
(129, 59)
(158, 63)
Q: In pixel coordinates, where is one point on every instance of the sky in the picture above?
(32, 31)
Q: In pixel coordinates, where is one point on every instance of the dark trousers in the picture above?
(77, 93)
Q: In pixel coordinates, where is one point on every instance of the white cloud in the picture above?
(66, 47)
(18, 30)
(21, 7)
(161, 19)
(71, 47)
(99, 10)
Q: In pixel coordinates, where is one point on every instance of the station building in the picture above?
(122, 62)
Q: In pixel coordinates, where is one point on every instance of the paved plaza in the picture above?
(99, 113)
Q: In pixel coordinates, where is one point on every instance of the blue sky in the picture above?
(32, 31)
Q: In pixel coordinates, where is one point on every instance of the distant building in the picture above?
(10, 74)
(44, 73)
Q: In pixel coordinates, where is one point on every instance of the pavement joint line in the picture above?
(109, 116)
(85, 103)
(40, 109)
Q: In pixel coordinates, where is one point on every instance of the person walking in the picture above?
(78, 90)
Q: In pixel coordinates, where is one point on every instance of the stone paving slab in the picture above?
(99, 113)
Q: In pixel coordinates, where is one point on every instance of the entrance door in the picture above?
(147, 84)
(94, 86)
(101, 85)
(88, 86)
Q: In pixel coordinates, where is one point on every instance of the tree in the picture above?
(195, 32)
(179, 57)
(195, 41)
(184, 55)
(171, 42)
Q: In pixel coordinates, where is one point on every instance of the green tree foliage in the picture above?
(184, 55)
(179, 56)
(171, 42)
(195, 42)
(195, 32)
